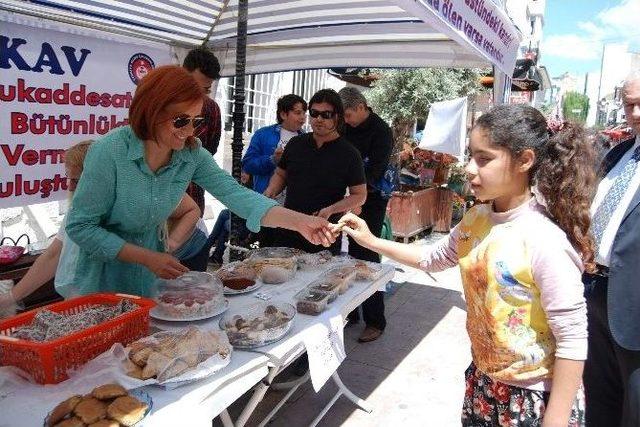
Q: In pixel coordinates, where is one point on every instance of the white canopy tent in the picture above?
(308, 34)
(285, 35)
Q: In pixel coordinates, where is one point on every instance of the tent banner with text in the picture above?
(57, 89)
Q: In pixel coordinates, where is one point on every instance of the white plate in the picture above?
(229, 291)
(157, 314)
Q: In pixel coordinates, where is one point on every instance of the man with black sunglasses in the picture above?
(318, 168)
(373, 139)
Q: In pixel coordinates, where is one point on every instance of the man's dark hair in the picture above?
(287, 103)
(332, 98)
(204, 60)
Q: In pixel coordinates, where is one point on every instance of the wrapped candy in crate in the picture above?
(48, 342)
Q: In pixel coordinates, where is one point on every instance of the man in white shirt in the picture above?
(612, 370)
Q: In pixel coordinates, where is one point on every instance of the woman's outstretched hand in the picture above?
(315, 229)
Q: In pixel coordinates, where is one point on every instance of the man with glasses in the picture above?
(374, 140)
(318, 168)
(205, 68)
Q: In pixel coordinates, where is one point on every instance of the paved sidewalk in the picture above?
(412, 376)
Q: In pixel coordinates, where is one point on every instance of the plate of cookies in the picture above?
(108, 405)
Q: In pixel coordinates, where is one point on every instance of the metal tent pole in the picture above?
(238, 115)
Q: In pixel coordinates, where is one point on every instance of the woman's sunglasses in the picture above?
(324, 114)
(181, 121)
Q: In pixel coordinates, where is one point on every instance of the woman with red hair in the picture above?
(135, 176)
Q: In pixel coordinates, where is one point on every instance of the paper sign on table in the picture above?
(324, 342)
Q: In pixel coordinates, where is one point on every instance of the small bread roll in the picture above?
(108, 391)
(91, 410)
(127, 410)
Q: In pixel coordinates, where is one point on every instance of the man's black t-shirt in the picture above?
(374, 140)
(319, 177)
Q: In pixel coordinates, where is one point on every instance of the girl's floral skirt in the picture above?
(489, 403)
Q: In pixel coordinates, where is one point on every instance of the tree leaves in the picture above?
(402, 95)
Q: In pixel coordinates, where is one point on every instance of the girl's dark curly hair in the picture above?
(563, 170)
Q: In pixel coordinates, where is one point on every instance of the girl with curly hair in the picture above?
(521, 256)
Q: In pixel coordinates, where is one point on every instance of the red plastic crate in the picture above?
(48, 362)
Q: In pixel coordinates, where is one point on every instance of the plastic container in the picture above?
(308, 261)
(344, 275)
(367, 270)
(274, 265)
(48, 362)
(327, 284)
(311, 301)
(195, 294)
(258, 325)
(237, 276)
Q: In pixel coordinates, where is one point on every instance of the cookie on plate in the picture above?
(109, 391)
(127, 410)
(91, 410)
(105, 423)
(63, 409)
(71, 422)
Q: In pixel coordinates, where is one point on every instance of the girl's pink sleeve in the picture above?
(441, 255)
(557, 271)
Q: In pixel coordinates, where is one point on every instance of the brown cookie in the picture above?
(71, 422)
(127, 410)
(105, 423)
(109, 391)
(140, 356)
(91, 410)
(63, 409)
(135, 372)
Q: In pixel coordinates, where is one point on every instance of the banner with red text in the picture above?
(57, 89)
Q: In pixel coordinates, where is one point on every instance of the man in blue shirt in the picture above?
(267, 143)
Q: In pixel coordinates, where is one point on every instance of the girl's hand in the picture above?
(315, 229)
(165, 266)
(357, 229)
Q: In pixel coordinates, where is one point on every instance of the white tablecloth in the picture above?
(23, 404)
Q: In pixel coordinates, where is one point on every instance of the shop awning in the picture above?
(308, 34)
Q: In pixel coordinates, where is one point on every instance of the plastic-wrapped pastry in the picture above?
(168, 354)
